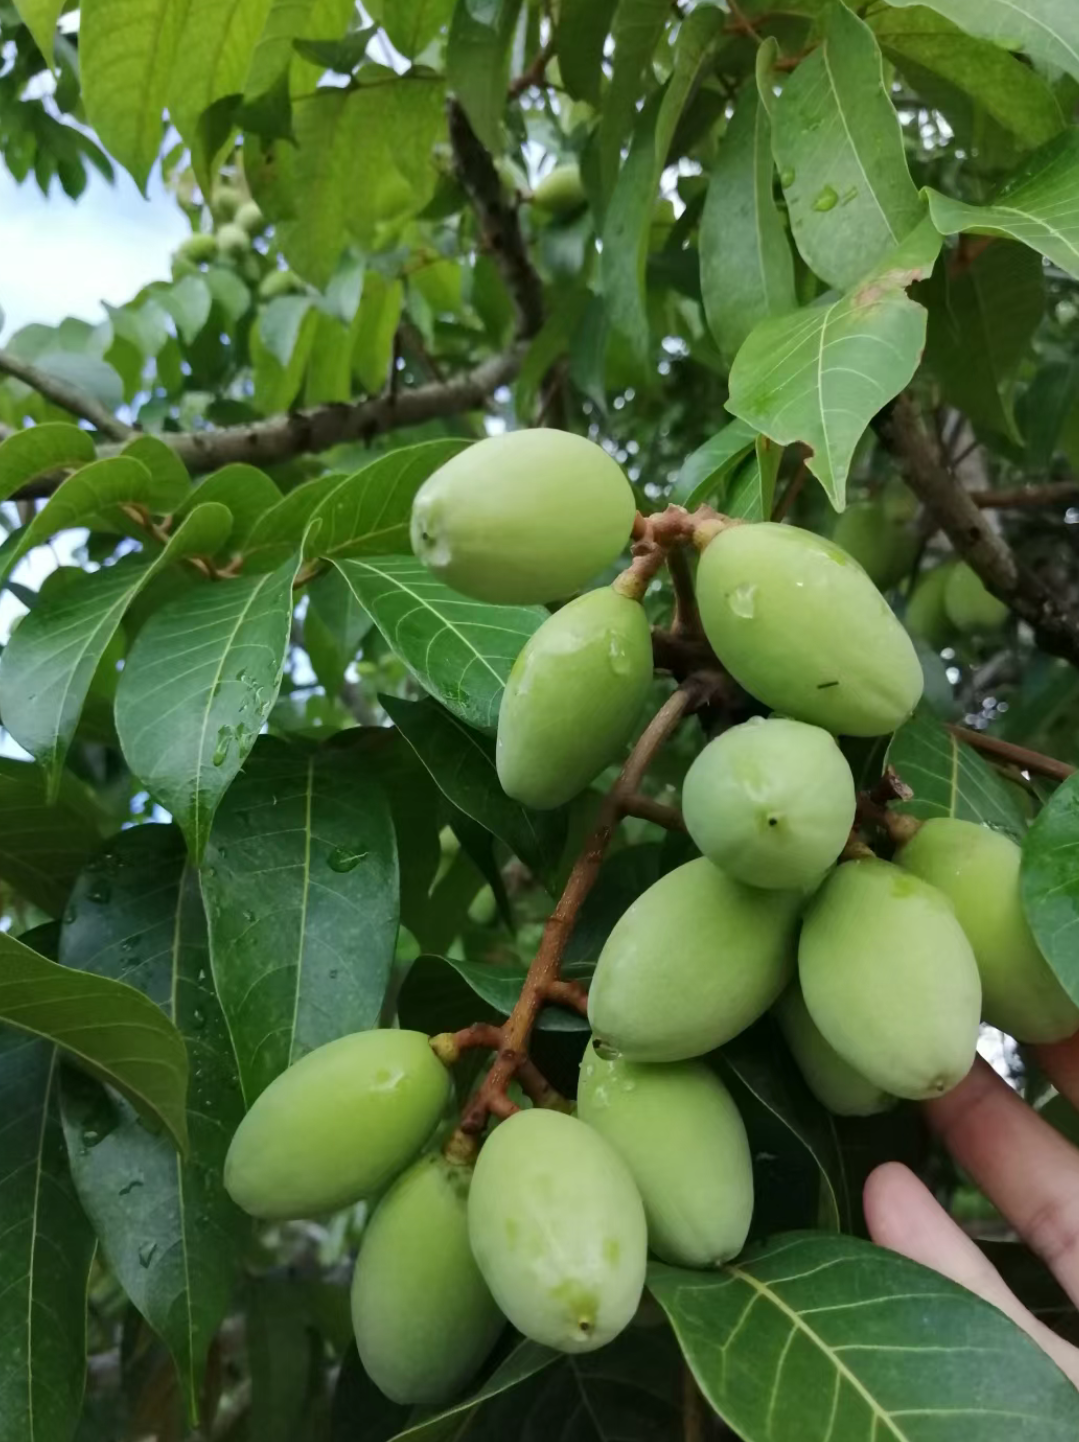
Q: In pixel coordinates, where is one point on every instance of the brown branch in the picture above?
(499, 223)
(319, 428)
(534, 74)
(1052, 493)
(68, 397)
(543, 974)
(1055, 625)
(1033, 761)
(792, 492)
(647, 809)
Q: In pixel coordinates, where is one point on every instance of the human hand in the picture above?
(1026, 1169)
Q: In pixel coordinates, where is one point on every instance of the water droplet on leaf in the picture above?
(343, 858)
(146, 1253)
(828, 199)
(786, 178)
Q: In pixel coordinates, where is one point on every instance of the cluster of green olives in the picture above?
(878, 972)
(237, 221)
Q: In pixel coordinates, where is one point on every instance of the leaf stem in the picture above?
(1033, 761)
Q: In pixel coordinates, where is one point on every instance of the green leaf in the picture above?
(1012, 93)
(752, 492)
(247, 492)
(111, 1030)
(275, 56)
(413, 24)
(454, 1421)
(87, 373)
(582, 31)
(49, 663)
(126, 65)
(705, 473)
(628, 221)
(820, 375)
(459, 650)
(839, 150)
(368, 513)
(281, 344)
(1048, 30)
(638, 26)
(811, 1334)
(478, 64)
(375, 329)
(169, 1232)
(1049, 880)
(461, 761)
(284, 1354)
(26, 455)
(46, 1247)
(42, 846)
(170, 479)
(199, 683)
(41, 17)
(188, 302)
(300, 881)
(982, 319)
(747, 272)
(950, 779)
(1035, 207)
(500, 986)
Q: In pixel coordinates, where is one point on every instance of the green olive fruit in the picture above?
(337, 1125)
(226, 201)
(770, 802)
(678, 1130)
(890, 979)
(885, 549)
(423, 1315)
(250, 218)
(558, 1229)
(978, 870)
(834, 1083)
(526, 516)
(233, 241)
(970, 607)
(925, 614)
(802, 627)
(181, 266)
(693, 962)
(198, 248)
(573, 698)
(277, 283)
(561, 193)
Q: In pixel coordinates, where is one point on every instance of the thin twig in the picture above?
(648, 809)
(534, 74)
(68, 397)
(1051, 493)
(1033, 761)
(791, 494)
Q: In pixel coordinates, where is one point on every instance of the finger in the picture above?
(903, 1216)
(1020, 1162)
(1060, 1062)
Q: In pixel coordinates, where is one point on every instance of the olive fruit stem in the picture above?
(543, 982)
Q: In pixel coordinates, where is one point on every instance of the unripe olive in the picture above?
(558, 1229)
(802, 627)
(925, 614)
(424, 1317)
(678, 1130)
(890, 979)
(198, 248)
(693, 962)
(226, 201)
(969, 605)
(250, 218)
(834, 1082)
(233, 241)
(561, 193)
(573, 698)
(771, 802)
(885, 549)
(337, 1125)
(978, 870)
(526, 516)
(279, 282)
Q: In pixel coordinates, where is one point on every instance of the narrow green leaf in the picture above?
(459, 650)
(111, 1030)
(950, 779)
(705, 473)
(279, 531)
(820, 375)
(43, 846)
(300, 881)
(751, 493)
(247, 492)
(524, 1361)
(462, 763)
(637, 28)
(1036, 206)
(25, 455)
(41, 18)
(197, 687)
(46, 1247)
(1049, 880)
(583, 26)
(169, 1232)
(812, 1334)
(1014, 95)
(49, 664)
(280, 352)
(1048, 30)
(478, 64)
(126, 56)
(839, 150)
(376, 326)
(368, 513)
(747, 272)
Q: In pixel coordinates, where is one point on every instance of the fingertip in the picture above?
(890, 1200)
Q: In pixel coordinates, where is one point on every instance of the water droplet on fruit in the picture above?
(618, 656)
(147, 1252)
(605, 1051)
(828, 199)
(343, 858)
(742, 601)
